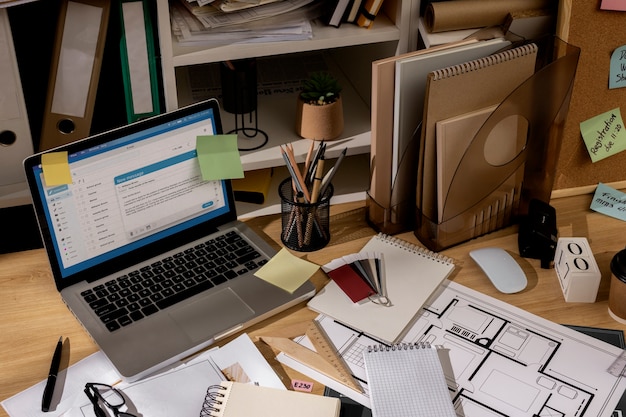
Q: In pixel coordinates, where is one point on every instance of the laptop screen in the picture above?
(131, 188)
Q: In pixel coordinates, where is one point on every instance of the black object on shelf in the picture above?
(239, 97)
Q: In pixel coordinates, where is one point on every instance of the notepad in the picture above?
(407, 380)
(234, 399)
(412, 274)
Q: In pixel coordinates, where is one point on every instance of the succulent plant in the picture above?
(320, 88)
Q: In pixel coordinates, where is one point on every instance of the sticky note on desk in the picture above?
(287, 271)
(219, 157)
(604, 134)
(56, 168)
(609, 201)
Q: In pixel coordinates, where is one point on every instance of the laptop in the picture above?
(150, 258)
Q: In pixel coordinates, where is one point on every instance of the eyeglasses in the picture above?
(107, 395)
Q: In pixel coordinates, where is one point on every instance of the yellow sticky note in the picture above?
(219, 157)
(287, 271)
(56, 168)
(604, 134)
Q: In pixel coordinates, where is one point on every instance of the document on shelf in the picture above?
(499, 359)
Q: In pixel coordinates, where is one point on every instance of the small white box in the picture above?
(577, 270)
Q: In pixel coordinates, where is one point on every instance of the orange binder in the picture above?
(75, 71)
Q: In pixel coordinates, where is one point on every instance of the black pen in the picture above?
(52, 376)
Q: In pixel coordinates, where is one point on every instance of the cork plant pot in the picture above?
(319, 122)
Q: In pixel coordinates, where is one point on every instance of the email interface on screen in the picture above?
(130, 192)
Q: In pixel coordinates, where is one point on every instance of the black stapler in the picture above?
(537, 236)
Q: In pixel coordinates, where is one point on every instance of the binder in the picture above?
(75, 71)
(139, 63)
(15, 137)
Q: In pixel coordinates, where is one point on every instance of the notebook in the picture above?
(474, 85)
(135, 239)
(235, 399)
(407, 380)
(412, 275)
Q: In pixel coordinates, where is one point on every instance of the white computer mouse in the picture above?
(501, 269)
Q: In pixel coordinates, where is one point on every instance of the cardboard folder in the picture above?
(75, 71)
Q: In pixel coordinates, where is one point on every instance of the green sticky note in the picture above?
(604, 134)
(219, 157)
(56, 168)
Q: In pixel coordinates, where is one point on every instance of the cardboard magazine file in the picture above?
(483, 193)
(397, 214)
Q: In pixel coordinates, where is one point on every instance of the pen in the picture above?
(52, 376)
(331, 173)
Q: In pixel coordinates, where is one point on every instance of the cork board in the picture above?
(597, 33)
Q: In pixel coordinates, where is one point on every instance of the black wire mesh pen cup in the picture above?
(305, 226)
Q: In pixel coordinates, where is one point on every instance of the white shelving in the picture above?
(349, 51)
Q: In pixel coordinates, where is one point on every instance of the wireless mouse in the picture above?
(501, 269)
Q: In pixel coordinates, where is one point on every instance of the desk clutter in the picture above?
(484, 354)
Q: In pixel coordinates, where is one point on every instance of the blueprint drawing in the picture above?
(498, 360)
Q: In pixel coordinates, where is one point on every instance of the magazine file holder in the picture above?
(482, 196)
(397, 215)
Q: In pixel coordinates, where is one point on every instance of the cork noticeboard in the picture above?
(597, 33)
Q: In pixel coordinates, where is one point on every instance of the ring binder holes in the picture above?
(7, 137)
(66, 126)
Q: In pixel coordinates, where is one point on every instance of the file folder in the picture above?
(75, 71)
(139, 65)
(15, 136)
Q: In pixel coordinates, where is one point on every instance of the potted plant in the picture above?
(319, 114)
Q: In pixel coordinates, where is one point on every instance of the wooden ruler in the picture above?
(325, 359)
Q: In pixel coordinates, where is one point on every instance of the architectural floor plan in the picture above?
(498, 360)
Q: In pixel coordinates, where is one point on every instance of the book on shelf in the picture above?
(235, 399)
(368, 13)
(254, 187)
(337, 10)
(353, 11)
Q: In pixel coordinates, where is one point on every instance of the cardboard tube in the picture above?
(443, 16)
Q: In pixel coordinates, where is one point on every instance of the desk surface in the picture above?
(33, 315)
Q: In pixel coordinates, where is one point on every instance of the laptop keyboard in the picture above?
(140, 293)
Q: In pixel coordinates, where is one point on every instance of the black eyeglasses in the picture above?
(107, 395)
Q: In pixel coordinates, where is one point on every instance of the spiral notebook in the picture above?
(407, 380)
(235, 399)
(458, 90)
(412, 274)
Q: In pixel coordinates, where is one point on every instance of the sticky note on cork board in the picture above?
(604, 134)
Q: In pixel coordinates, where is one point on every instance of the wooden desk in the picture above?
(32, 315)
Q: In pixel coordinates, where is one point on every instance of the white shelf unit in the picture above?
(349, 50)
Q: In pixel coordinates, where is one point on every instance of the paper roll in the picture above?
(441, 16)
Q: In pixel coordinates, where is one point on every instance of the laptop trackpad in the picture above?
(214, 314)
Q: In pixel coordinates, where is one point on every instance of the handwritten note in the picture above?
(604, 135)
(609, 201)
(56, 168)
(287, 271)
(219, 157)
(617, 78)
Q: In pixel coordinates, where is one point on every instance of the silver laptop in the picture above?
(149, 257)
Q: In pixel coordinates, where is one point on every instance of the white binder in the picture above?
(15, 137)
